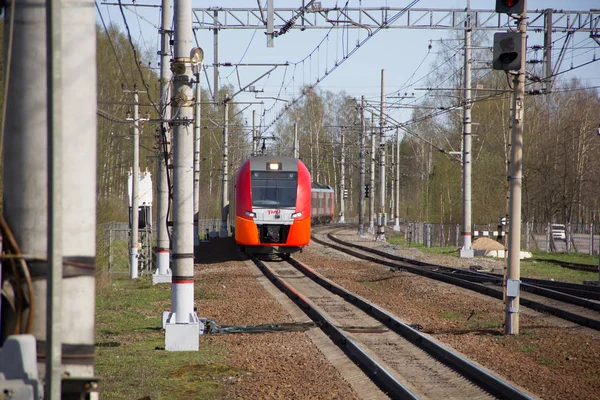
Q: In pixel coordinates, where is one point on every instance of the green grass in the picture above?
(450, 315)
(527, 348)
(130, 356)
(578, 258)
(548, 363)
(549, 270)
(529, 268)
(398, 239)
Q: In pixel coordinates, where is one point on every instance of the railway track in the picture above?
(403, 362)
(572, 302)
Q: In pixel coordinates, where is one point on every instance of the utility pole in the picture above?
(361, 177)
(135, 184)
(197, 69)
(224, 182)
(381, 216)
(50, 194)
(372, 179)
(548, 49)
(397, 206)
(296, 148)
(466, 250)
(163, 272)
(54, 299)
(511, 321)
(254, 135)
(343, 180)
(390, 174)
(182, 325)
(216, 58)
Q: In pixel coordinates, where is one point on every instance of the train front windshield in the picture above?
(274, 189)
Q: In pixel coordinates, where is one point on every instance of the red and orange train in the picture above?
(275, 203)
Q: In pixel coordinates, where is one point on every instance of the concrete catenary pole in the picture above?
(182, 326)
(548, 50)
(381, 215)
(135, 184)
(162, 241)
(225, 180)
(397, 185)
(343, 180)
(296, 147)
(361, 176)
(216, 97)
(53, 388)
(511, 320)
(197, 121)
(466, 251)
(254, 135)
(372, 178)
(65, 235)
(79, 188)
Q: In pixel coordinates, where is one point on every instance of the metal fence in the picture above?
(113, 248)
(580, 238)
(113, 245)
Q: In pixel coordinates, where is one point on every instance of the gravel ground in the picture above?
(551, 359)
(272, 365)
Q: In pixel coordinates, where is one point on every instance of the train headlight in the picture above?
(274, 166)
(250, 214)
(296, 215)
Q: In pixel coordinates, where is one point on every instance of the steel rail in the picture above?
(552, 290)
(458, 281)
(471, 371)
(374, 370)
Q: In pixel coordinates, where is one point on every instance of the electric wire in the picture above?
(117, 58)
(137, 61)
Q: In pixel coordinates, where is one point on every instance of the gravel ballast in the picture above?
(551, 358)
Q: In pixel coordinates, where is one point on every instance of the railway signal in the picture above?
(507, 51)
(345, 193)
(510, 6)
(367, 191)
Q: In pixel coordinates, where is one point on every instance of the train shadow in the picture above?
(217, 250)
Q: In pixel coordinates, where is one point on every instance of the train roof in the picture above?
(259, 163)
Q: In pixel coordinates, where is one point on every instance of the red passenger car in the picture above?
(323, 203)
(272, 205)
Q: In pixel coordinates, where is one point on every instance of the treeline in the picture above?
(122, 68)
(561, 158)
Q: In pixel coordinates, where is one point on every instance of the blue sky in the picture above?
(403, 53)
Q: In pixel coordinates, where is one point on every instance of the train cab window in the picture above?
(274, 189)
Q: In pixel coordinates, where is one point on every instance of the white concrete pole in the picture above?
(372, 179)
(343, 181)
(163, 252)
(361, 177)
(79, 187)
(466, 250)
(254, 135)
(182, 288)
(382, 215)
(397, 185)
(296, 147)
(511, 319)
(31, 94)
(53, 388)
(135, 184)
(225, 181)
(197, 120)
